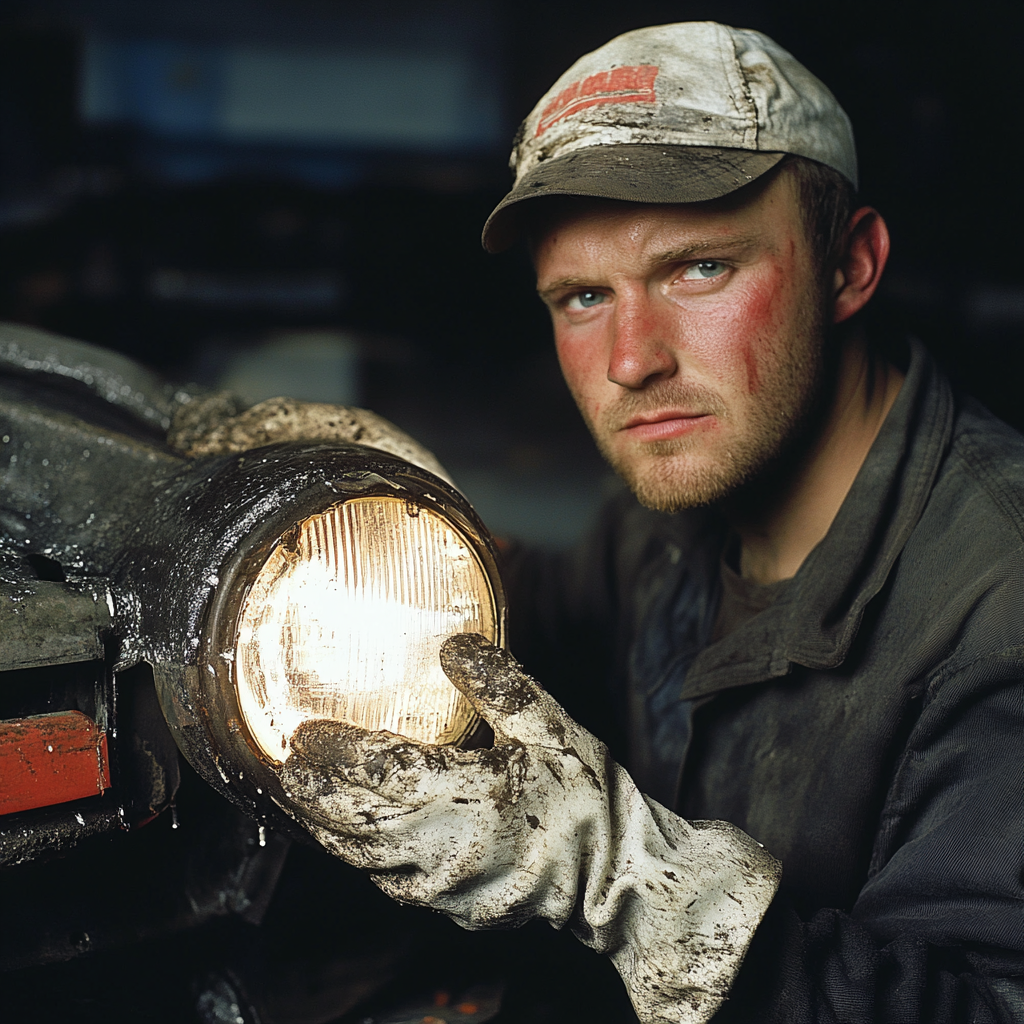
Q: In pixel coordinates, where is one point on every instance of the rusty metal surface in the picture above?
(102, 494)
(49, 623)
(52, 832)
(118, 556)
(148, 760)
(82, 461)
(277, 420)
(113, 379)
(75, 478)
(51, 759)
(144, 761)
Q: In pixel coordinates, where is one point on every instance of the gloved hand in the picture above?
(543, 824)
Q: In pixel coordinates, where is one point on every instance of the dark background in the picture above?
(158, 230)
(340, 262)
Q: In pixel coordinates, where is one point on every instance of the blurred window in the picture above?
(372, 97)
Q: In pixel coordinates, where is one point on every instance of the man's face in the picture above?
(691, 336)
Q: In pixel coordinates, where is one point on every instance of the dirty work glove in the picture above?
(543, 824)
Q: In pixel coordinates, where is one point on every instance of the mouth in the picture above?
(662, 426)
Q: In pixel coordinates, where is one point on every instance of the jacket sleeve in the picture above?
(937, 933)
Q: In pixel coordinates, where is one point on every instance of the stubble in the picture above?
(750, 446)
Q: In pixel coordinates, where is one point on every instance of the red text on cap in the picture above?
(620, 85)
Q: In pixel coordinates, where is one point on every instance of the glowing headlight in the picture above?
(304, 582)
(345, 620)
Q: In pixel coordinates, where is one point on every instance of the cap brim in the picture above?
(634, 173)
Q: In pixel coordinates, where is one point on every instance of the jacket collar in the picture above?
(815, 618)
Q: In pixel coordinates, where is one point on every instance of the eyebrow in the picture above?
(731, 244)
(564, 282)
(694, 250)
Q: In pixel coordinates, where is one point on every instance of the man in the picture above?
(811, 627)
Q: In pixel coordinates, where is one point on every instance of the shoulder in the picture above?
(959, 582)
(977, 501)
(985, 468)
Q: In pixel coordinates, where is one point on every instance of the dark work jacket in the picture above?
(867, 727)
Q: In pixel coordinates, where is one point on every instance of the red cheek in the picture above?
(753, 382)
(759, 316)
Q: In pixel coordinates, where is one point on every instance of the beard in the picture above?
(775, 428)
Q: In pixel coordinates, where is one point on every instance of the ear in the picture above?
(860, 264)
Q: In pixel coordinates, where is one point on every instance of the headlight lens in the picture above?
(345, 620)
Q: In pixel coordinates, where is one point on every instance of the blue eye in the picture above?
(704, 269)
(576, 302)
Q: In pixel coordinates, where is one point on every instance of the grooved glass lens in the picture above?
(346, 618)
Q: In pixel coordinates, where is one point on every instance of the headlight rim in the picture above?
(232, 751)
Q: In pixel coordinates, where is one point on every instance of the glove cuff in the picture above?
(675, 905)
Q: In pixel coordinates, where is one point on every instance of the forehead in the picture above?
(767, 211)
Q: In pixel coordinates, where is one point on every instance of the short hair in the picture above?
(826, 201)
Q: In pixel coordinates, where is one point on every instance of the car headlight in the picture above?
(345, 620)
(264, 587)
(301, 582)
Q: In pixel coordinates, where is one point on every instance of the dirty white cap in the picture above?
(672, 114)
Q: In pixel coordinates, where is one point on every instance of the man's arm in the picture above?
(937, 933)
(545, 824)
(542, 824)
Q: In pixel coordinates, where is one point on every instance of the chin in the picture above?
(675, 484)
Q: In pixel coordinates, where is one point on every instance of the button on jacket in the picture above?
(867, 726)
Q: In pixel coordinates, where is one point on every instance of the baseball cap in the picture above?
(672, 114)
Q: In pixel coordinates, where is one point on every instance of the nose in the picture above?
(641, 353)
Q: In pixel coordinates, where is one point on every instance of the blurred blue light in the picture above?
(371, 98)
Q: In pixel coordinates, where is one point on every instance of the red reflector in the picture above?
(51, 759)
